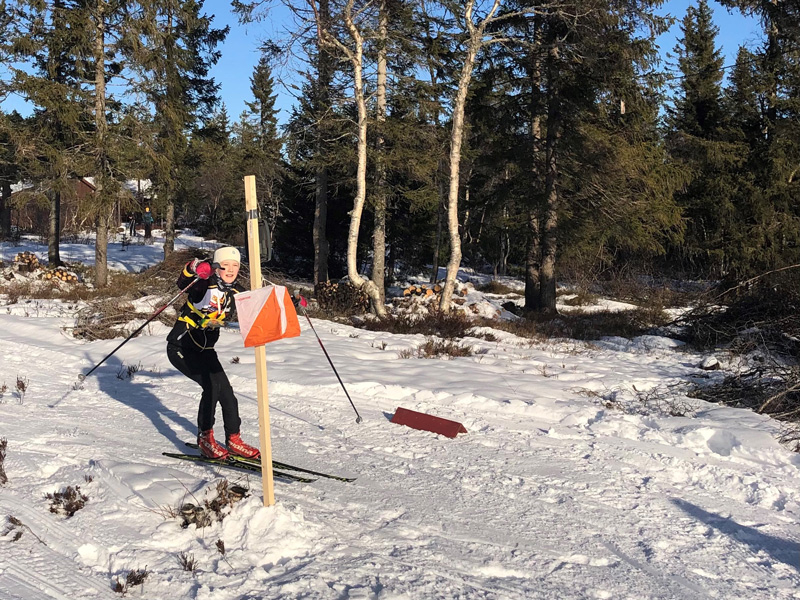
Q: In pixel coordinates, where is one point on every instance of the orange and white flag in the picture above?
(266, 314)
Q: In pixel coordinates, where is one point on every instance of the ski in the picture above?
(251, 466)
(279, 465)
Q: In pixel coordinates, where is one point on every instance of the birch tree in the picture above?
(352, 49)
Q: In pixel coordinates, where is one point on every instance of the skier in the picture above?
(132, 226)
(190, 348)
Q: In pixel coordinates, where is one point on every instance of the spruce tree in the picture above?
(698, 143)
(45, 40)
(174, 52)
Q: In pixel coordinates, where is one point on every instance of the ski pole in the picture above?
(81, 377)
(303, 305)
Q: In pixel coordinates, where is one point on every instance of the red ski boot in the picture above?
(239, 448)
(209, 447)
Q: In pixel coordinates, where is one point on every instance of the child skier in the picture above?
(190, 348)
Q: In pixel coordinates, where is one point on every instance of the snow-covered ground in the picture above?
(133, 257)
(550, 494)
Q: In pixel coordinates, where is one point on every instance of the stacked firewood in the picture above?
(341, 297)
(60, 274)
(422, 290)
(26, 262)
(427, 292)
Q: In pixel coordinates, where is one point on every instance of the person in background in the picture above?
(190, 348)
(132, 225)
(147, 218)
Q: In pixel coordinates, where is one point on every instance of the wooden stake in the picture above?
(253, 251)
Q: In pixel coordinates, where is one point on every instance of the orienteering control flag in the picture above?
(266, 314)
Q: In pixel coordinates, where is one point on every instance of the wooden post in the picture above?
(253, 252)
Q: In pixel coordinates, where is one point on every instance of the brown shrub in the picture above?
(67, 502)
(495, 287)
(588, 326)
(454, 324)
(437, 348)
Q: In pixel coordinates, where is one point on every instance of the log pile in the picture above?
(60, 274)
(427, 292)
(422, 290)
(26, 262)
(341, 298)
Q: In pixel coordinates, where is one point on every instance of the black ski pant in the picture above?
(204, 368)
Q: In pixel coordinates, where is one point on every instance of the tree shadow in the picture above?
(781, 550)
(137, 395)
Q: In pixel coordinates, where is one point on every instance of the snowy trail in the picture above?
(549, 495)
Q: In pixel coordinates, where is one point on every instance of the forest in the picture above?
(542, 140)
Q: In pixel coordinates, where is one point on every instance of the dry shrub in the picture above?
(588, 326)
(437, 348)
(766, 315)
(187, 562)
(582, 298)
(454, 324)
(67, 502)
(495, 287)
(205, 513)
(134, 578)
(103, 320)
(341, 298)
(3, 446)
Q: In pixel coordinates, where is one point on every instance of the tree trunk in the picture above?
(456, 140)
(101, 249)
(5, 209)
(438, 243)
(54, 233)
(322, 103)
(357, 60)
(547, 272)
(320, 222)
(533, 256)
(169, 229)
(533, 262)
(101, 128)
(379, 230)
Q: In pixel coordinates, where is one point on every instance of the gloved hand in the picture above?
(201, 268)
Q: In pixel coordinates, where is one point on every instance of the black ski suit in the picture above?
(190, 347)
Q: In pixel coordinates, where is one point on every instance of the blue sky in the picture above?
(240, 50)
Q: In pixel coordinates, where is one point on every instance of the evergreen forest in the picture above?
(543, 140)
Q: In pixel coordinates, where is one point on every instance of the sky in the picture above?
(240, 51)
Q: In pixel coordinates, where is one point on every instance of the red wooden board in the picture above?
(418, 420)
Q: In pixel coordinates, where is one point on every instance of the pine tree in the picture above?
(259, 142)
(48, 37)
(176, 49)
(697, 142)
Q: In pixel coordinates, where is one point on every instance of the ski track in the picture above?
(548, 496)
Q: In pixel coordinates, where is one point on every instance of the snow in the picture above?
(554, 492)
(133, 258)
